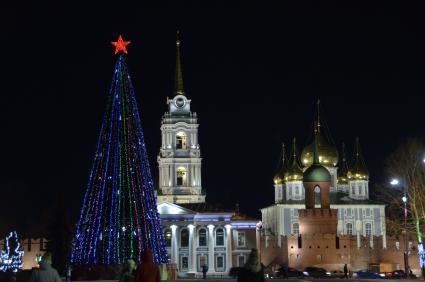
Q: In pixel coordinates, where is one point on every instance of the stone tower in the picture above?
(179, 158)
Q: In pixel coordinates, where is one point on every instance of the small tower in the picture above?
(343, 185)
(279, 178)
(179, 158)
(317, 179)
(294, 180)
(327, 152)
(358, 176)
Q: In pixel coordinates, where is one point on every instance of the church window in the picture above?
(181, 142)
(297, 190)
(241, 260)
(185, 263)
(219, 263)
(353, 190)
(167, 237)
(181, 176)
(367, 212)
(219, 237)
(349, 227)
(241, 239)
(295, 228)
(348, 212)
(279, 193)
(202, 240)
(368, 229)
(360, 190)
(290, 190)
(184, 238)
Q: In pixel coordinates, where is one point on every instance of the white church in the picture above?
(357, 214)
(195, 234)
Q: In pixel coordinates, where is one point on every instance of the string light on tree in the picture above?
(119, 217)
(11, 256)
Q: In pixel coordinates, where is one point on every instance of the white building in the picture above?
(357, 214)
(195, 234)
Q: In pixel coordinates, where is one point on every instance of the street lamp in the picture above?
(406, 249)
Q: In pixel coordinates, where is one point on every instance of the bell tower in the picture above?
(179, 158)
(317, 183)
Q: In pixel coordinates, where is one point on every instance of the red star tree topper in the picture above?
(120, 45)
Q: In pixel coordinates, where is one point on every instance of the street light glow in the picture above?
(404, 199)
(394, 182)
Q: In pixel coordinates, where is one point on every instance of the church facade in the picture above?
(327, 219)
(196, 234)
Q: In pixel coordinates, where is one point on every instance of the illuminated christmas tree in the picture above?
(11, 256)
(119, 217)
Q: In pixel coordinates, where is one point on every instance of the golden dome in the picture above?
(282, 174)
(328, 154)
(358, 170)
(295, 172)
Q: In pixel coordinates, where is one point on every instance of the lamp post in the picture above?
(259, 227)
(406, 248)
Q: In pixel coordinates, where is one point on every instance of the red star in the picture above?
(120, 45)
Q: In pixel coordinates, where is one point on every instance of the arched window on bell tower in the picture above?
(181, 141)
(181, 176)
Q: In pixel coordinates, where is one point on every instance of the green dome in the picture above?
(316, 173)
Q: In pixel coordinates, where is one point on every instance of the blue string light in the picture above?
(119, 219)
(11, 259)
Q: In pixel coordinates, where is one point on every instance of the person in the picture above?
(127, 274)
(45, 273)
(147, 271)
(345, 271)
(204, 271)
(68, 273)
(253, 270)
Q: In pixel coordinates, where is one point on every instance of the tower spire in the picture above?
(294, 148)
(178, 83)
(317, 123)
(316, 150)
(283, 152)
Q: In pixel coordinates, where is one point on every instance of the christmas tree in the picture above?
(119, 217)
(11, 256)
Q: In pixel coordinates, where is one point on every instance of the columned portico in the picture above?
(192, 246)
(211, 244)
(174, 245)
(228, 247)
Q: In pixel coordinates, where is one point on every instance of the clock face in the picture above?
(180, 102)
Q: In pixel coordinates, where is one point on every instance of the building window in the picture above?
(397, 245)
(219, 237)
(181, 140)
(202, 239)
(295, 212)
(353, 190)
(360, 190)
(290, 190)
(202, 261)
(241, 260)
(219, 263)
(349, 227)
(167, 237)
(367, 212)
(279, 193)
(295, 228)
(185, 263)
(241, 239)
(184, 238)
(368, 229)
(348, 212)
(181, 176)
(297, 190)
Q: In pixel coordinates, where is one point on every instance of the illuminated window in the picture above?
(295, 228)
(219, 237)
(184, 238)
(349, 228)
(397, 245)
(202, 237)
(368, 229)
(241, 239)
(181, 176)
(181, 140)
(167, 237)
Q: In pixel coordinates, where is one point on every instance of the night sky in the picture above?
(253, 74)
